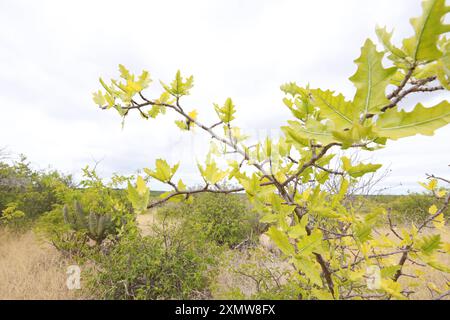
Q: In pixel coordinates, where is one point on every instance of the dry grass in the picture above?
(428, 275)
(31, 270)
(418, 277)
(146, 221)
(241, 271)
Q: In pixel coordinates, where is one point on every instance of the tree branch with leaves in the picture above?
(329, 242)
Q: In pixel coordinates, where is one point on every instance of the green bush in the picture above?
(170, 264)
(32, 192)
(412, 207)
(224, 219)
(51, 227)
(12, 217)
(95, 212)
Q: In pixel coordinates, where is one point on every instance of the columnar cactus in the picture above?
(97, 226)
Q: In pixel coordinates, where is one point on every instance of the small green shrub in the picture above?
(171, 264)
(12, 217)
(224, 219)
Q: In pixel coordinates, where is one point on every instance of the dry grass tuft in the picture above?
(31, 270)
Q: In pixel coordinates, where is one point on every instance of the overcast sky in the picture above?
(52, 53)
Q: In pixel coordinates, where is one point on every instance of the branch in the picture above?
(432, 176)
(391, 226)
(311, 162)
(434, 216)
(402, 84)
(192, 192)
(404, 257)
(401, 96)
(442, 296)
(399, 93)
(374, 256)
(338, 173)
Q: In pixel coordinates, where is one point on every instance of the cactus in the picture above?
(97, 226)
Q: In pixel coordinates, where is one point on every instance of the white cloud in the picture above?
(52, 53)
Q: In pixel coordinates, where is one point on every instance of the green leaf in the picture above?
(251, 185)
(335, 108)
(360, 169)
(124, 73)
(385, 38)
(299, 230)
(269, 218)
(429, 244)
(428, 27)
(394, 288)
(291, 88)
(182, 124)
(301, 107)
(356, 134)
(98, 98)
(155, 110)
(438, 266)
(179, 86)
(226, 112)
(310, 243)
(389, 272)
(341, 194)
(310, 268)
(281, 240)
(299, 134)
(395, 124)
(371, 80)
(322, 294)
(144, 79)
(139, 196)
(211, 173)
(363, 231)
(163, 172)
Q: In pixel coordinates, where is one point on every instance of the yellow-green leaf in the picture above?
(371, 80)
(163, 171)
(433, 209)
(395, 124)
(335, 108)
(281, 240)
(428, 27)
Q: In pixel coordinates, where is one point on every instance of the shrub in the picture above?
(413, 207)
(51, 227)
(96, 212)
(172, 264)
(33, 192)
(224, 219)
(12, 217)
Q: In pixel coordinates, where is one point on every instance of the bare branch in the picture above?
(442, 296)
